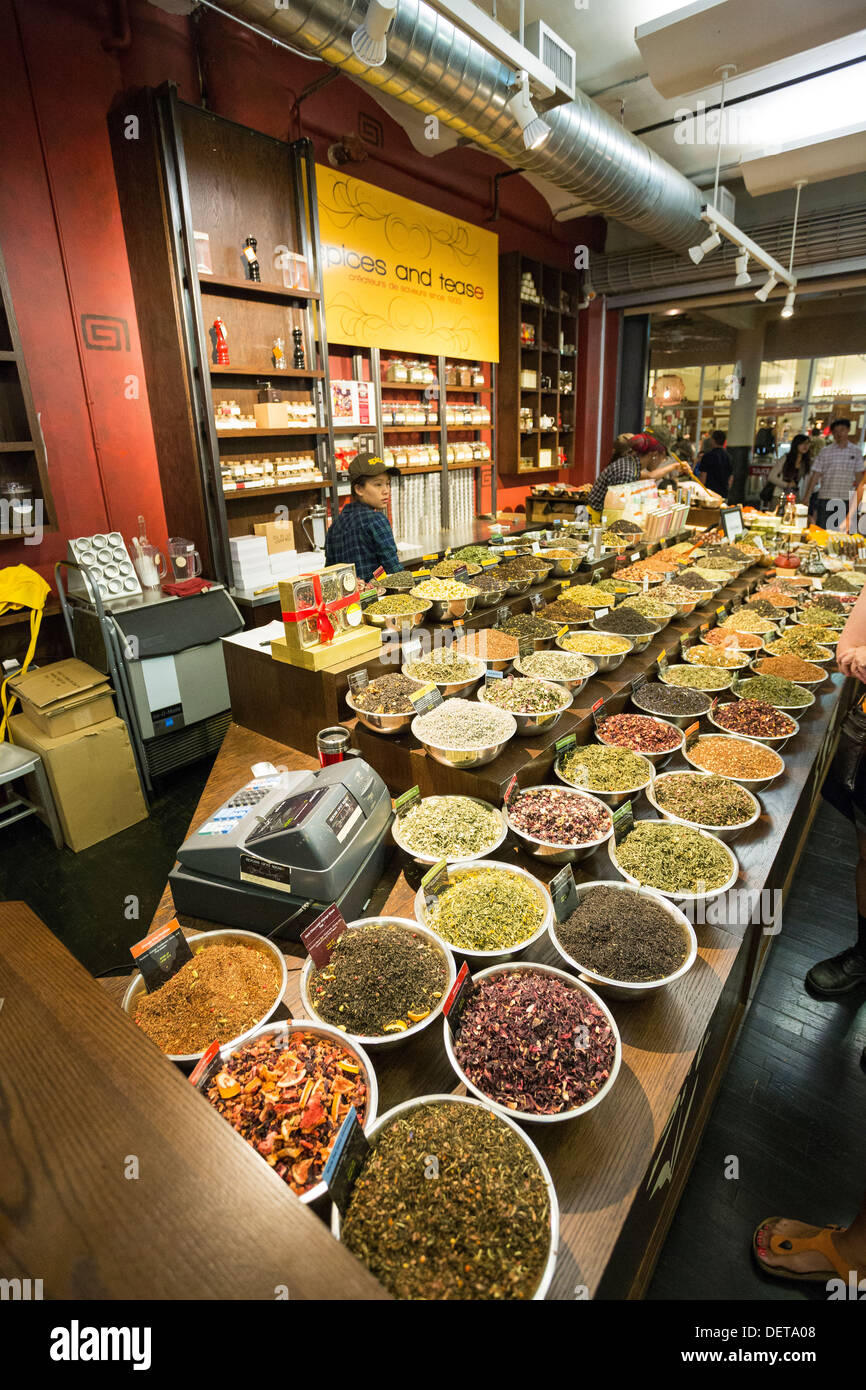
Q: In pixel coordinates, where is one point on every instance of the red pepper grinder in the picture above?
(221, 338)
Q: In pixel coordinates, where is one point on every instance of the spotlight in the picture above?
(788, 307)
(369, 41)
(769, 284)
(741, 265)
(519, 103)
(697, 253)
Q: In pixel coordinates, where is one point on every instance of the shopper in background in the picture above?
(836, 476)
(635, 456)
(362, 535)
(789, 474)
(715, 467)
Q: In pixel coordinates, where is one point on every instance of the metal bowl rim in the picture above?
(476, 865)
(433, 859)
(661, 901)
(683, 896)
(703, 825)
(549, 844)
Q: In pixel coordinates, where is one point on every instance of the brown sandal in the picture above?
(822, 1243)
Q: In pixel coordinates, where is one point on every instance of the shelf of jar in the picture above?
(407, 385)
(404, 469)
(301, 486)
(253, 288)
(272, 373)
(272, 434)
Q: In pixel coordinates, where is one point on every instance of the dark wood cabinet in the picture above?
(25, 494)
(193, 189)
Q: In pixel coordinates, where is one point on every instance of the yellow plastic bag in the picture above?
(21, 587)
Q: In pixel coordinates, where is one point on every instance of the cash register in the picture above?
(283, 848)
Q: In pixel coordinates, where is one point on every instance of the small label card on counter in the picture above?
(358, 681)
(619, 562)
(646, 583)
(322, 935)
(421, 574)
(693, 733)
(427, 698)
(687, 640)
(379, 572)
(405, 802)
(434, 880)
(458, 997)
(511, 791)
(461, 575)
(597, 711)
(638, 682)
(490, 676)
(345, 1161)
(601, 613)
(503, 614)
(488, 564)
(565, 744)
(623, 822)
(562, 631)
(368, 597)
(720, 611)
(633, 558)
(662, 662)
(563, 891)
(433, 558)
(704, 628)
(206, 1067)
(161, 954)
(536, 601)
(525, 646)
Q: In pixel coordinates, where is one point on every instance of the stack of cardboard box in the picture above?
(68, 718)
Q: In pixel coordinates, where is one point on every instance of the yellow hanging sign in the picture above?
(403, 276)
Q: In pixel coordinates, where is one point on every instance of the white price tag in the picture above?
(634, 557)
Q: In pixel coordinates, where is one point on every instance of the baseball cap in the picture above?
(366, 465)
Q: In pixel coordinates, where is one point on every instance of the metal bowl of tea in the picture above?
(500, 906)
(557, 852)
(531, 722)
(610, 798)
(447, 688)
(562, 566)
(471, 817)
(444, 610)
(405, 1024)
(826, 658)
(752, 783)
(605, 661)
(682, 721)
(398, 621)
(500, 1035)
(682, 895)
(490, 598)
(664, 755)
(719, 677)
(776, 741)
(808, 685)
(202, 941)
(523, 667)
(639, 640)
(282, 1034)
(610, 985)
(723, 832)
(464, 1211)
(465, 753)
(382, 723)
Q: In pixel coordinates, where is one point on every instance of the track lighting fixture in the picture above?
(370, 41)
(697, 253)
(788, 307)
(519, 103)
(769, 284)
(742, 267)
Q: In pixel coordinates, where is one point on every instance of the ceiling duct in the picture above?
(440, 71)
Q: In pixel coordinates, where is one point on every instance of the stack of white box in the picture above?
(250, 562)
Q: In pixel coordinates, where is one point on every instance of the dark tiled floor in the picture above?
(791, 1108)
(792, 1105)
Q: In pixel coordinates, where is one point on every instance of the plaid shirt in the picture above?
(624, 470)
(836, 470)
(362, 536)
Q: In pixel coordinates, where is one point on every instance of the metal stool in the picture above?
(18, 762)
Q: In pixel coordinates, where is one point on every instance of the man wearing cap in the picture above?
(362, 535)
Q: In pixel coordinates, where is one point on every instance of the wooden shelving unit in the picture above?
(552, 321)
(22, 450)
(191, 172)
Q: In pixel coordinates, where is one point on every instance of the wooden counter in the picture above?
(620, 1171)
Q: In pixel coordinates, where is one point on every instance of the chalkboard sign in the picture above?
(623, 822)
(345, 1161)
(563, 891)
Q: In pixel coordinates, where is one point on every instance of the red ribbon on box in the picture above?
(320, 611)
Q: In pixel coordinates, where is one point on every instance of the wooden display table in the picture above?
(619, 1172)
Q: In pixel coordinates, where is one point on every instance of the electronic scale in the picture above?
(283, 848)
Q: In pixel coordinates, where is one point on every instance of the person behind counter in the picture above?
(362, 535)
(635, 456)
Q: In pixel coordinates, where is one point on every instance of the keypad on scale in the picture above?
(250, 796)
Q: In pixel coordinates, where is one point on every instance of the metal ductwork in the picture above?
(437, 69)
(831, 237)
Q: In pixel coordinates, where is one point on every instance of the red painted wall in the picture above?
(62, 236)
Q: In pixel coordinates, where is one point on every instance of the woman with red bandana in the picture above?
(635, 456)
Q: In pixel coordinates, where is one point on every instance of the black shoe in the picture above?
(863, 1059)
(838, 975)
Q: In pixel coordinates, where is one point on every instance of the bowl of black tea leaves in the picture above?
(626, 941)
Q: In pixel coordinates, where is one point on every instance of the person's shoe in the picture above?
(838, 975)
(863, 1059)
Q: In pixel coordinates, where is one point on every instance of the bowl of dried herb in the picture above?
(449, 827)
(231, 986)
(614, 775)
(452, 673)
(745, 760)
(536, 704)
(314, 1075)
(383, 704)
(627, 941)
(676, 860)
(706, 801)
(387, 980)
(492, 1193)
(486, 910)
(534, 1043)
(559, 825)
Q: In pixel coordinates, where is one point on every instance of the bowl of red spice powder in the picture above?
(534, 1043)
(221, 998)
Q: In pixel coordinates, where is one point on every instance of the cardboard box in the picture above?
(280, 535)
(271, 415)
(92, 775)
(64, 696)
